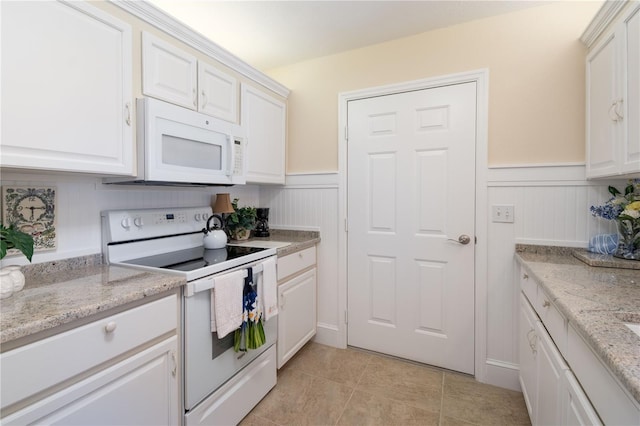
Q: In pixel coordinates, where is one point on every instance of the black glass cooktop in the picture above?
(194, 258)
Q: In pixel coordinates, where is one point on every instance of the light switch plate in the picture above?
(502, 213)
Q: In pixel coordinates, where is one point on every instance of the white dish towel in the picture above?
(226, 303)
(268, 289)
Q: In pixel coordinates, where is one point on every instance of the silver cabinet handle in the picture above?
(204, 98)
(618, 110)
(195, 98)
(174, 368)
(462, 239)
(532, 340)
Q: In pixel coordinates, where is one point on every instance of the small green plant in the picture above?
(243, 218)
(12, 238)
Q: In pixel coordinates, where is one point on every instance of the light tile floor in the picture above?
(322, 385)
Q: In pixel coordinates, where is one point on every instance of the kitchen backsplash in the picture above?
(80, 200)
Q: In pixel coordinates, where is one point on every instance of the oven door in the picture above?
(208, 361)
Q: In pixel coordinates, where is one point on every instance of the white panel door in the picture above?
(66, 88)
(218, 93)
(631, 147)
(264, 119)
(168, 73)
(411, 191)
(602, 129)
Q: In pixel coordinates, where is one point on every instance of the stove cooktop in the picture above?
(195, 258)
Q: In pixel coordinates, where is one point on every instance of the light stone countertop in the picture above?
(299, 240)
(596, 301)
(58, 293)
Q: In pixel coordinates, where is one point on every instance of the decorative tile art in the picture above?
(32, 209)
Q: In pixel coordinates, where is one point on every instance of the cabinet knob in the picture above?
(110, 327)
(525, 276)
(546, 304)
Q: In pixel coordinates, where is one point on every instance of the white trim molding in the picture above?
(603, 18)
(167, 23)
(481, 78)
(312, 180)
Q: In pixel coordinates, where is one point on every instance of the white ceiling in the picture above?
(267, 34)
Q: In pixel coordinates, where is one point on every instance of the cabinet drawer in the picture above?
(529, 286)
(40, 365)
(296, 262)
(608, 397)
(552, 319)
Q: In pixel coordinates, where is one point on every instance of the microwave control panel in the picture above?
(238, 158)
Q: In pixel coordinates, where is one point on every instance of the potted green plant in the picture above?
(12, 238)
(240, 223)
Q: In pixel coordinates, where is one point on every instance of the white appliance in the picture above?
(180, 147)
(220, 385)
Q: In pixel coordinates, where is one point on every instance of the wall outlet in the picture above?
(502, 214)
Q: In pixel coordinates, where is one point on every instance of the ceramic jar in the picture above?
(11, 280)
(6, 284)
(17, 275)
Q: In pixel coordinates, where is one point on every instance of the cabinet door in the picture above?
(296, 314)
(603, 132)
(168, 73)
(528, 351)
(66, 88)
(141, 390)
(579, 411)
(631, 147)
(551, 381)
(264, 119)
(218, 93)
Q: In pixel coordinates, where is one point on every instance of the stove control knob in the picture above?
(197, 217)
(138, 222)
(125, 223)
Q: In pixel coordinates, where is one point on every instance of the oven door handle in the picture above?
(200, 285)
(210, 282)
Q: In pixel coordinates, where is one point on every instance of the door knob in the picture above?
(462, 239)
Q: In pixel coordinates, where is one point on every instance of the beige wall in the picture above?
(536, 89)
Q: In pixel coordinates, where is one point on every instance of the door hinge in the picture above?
(346, 317)
(475, 240)
(346, 225)
(346, 133)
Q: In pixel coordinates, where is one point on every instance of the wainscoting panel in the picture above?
(551, 208)
(311, 202)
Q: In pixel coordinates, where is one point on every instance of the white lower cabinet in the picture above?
(121, 369)
(578, 409)
(141, 390)
(551, 392)
(297, 314)
(297, 301)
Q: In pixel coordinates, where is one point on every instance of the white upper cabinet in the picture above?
(175, 76)
(218, 93)
(613, 98)
(66, 88)
(168, 73)
(264, 120)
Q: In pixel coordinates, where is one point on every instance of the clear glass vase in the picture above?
(628, 239)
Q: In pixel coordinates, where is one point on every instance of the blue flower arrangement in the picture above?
(625, 210)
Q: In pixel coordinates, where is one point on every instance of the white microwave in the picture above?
(178, 146)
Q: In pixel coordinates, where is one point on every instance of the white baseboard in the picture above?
(502, 374)
(328, 334)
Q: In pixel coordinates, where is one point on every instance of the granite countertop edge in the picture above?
(598, 324)
(52, 297)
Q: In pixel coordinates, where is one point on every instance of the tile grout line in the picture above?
(353, 390)
(441, 400)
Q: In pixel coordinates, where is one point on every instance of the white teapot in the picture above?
(214, 238)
